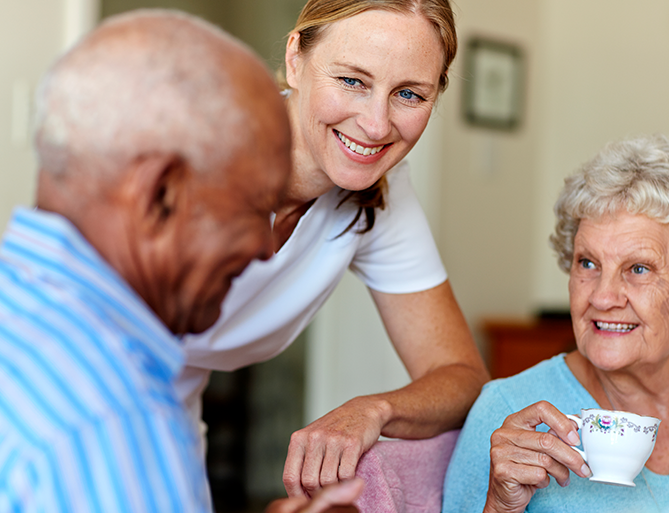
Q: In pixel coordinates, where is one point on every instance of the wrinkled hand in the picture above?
(522, 459)
(337, 498)
(328, 450)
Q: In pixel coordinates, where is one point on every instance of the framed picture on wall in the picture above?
(494, 84)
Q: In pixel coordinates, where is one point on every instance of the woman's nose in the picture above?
(609, 292)
(374, 119)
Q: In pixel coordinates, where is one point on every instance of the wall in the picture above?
(32, 34)
(39, 40)
(262, 24)
(489, 177)
(605, 78)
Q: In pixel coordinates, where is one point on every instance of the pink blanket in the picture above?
(405, 476)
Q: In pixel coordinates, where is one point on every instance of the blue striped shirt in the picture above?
(89, 421)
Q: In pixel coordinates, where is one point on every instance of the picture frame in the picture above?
(494, 84)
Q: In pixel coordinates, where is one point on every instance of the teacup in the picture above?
(616, 444)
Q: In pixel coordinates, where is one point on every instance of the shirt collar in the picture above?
(48, 245)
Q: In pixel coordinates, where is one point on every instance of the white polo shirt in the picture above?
(271, 303)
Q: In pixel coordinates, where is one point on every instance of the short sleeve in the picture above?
(399, 255)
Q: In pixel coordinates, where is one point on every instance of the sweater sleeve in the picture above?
(466, 482)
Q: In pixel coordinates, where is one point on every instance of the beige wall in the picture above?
(260, 23)
(489, 177)
(606, 77)
(39, 40)
(32, 34)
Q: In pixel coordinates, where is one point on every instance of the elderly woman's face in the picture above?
(364, 94)
(619, 291)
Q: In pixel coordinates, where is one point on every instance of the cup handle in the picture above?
(579, 423)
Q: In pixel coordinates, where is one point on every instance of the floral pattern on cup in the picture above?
(615, 425)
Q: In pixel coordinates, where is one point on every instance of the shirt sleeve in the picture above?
(466, 483)
(399, 255)
(140, 462)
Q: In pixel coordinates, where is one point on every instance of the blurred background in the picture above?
(590, 71)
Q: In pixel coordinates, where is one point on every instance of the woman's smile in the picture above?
(359, 152)
(362, 97)
(618, 286)
(614, 327)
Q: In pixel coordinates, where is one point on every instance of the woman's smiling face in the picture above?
(363, 95)
(619, 291)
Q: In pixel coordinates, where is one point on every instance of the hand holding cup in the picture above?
(522, 459)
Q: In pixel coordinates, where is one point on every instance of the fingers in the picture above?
(337, 498)
(327, 450)
(523, 459)
(544, 412)
(343, 494)
(291, 505)
(315, 461)
(292, 470)
(528, 458)
(518, 431)
(329, 461)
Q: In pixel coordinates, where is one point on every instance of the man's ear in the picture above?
(292, 59)
(155, 186)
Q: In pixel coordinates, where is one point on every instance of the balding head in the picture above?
(148, 81)
(166, 143)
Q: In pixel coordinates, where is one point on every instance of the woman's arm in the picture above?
(431, 337)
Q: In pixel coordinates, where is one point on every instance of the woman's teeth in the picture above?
(361, 150)
(617, 327)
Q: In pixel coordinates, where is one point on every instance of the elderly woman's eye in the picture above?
(586, 264)
(639, 269)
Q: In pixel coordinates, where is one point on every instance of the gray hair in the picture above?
(630, 175)
(146, 81)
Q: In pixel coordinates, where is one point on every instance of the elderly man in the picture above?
(163, 147)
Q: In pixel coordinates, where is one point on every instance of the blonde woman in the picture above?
(363, 78)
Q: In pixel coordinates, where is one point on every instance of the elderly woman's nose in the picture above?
(374, 119)
(608, 292)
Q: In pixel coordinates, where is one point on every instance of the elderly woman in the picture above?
(612, 237)
(363, 77)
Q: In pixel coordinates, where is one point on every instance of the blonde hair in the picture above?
(630, 175)
(317, 15)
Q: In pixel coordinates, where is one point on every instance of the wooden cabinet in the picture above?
(516, 345)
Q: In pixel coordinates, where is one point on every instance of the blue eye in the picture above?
(350, 81)
(586, 264)
(408, 94)
(639, 269)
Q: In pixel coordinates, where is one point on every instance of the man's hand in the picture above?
(337, 498)
(522, 459)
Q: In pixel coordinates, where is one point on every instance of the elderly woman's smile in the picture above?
(619, 289)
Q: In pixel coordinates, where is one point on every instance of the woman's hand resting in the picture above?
(327, 450)
(522, 459)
